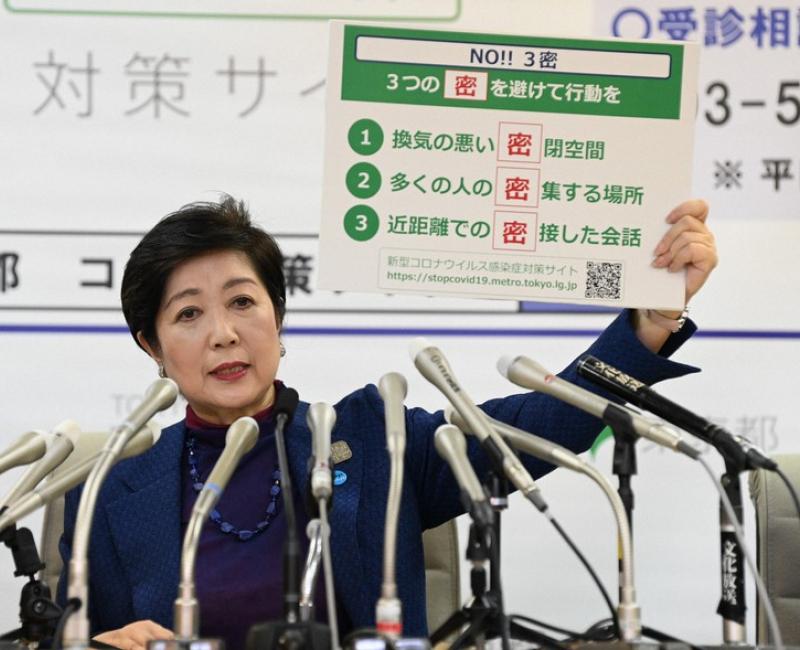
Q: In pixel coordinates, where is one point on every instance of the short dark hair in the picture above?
(192, 231)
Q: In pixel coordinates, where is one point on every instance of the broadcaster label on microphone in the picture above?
(504, 166)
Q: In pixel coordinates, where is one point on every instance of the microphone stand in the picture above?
(732, 605)
(291, 633)
(37, 611)
(624, 464)
(498, 499)
(484, 616)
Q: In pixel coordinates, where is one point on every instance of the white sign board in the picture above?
(504, 167)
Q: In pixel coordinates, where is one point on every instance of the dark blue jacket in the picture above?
(136, 537)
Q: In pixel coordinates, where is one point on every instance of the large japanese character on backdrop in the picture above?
(298, 269)
(259, 74)
(777, 170)
(774, 24)
(724, 28)
(55, 74)
(157, 76)
(9, 278)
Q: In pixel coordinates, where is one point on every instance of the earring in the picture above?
(283, 349)
(161, 372)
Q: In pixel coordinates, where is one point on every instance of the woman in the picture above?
(204, 296)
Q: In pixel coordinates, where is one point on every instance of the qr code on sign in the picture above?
(604, 280)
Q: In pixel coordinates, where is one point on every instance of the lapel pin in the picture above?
(340, 452)
(339, 477)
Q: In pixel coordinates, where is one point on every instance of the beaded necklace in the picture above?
(226, 527)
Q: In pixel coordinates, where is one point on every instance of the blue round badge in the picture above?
(339, 477)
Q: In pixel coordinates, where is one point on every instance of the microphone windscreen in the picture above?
(70, 429)
(504, 363)
(286, 403)
(417, 345)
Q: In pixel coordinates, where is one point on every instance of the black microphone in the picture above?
(285, 406)
(735, 449)
(291, 634)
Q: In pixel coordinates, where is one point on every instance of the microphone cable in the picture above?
(601, 630)
(543, 639)
(72, 606)
(570, 636)
(592, 573)
(791, 489)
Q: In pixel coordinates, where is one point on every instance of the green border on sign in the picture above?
(175, 14)
(645, 97)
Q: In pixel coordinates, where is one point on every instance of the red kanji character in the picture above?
(515, 232)
(466, 86)
(519, 144)
(517, 188)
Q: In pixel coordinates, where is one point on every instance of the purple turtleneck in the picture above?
(240, 583)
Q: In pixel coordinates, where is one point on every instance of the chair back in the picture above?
(442, 572)
(778, 540)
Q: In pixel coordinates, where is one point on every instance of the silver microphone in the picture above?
(160, 395)
(393, 389)
(28, 448)
(452, 447)
(240, 438)
(68, 478)
(525, 442)
(321, 418)
(527, 373)
(433, 365)
(389, 610)
(59, 446)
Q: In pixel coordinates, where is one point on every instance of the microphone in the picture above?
(321, 418)
(737, 449)
(159, 395)
(529, 374)
(393, 389)
(285, 405)
(59, 446)
(452, 447)
(28, 448)
(433, 365)
(293, 632)
(69, 477)
(628, 611)
(525, 442)
(240, 438)
(389, 610)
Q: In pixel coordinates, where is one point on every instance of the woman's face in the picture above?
(218, 336)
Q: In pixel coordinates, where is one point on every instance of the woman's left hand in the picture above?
(689, 245)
